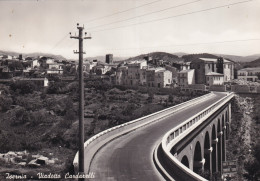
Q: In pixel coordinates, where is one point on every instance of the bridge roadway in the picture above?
(130, 156)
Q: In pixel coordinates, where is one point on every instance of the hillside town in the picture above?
(199, 74)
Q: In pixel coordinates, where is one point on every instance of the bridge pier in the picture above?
(220, 135)
(208, 161)
(224, 144)
(214, 151)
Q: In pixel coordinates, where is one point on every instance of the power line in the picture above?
(169, 17)
(123, 11)
(190, 44)
(172, 7)
(61, 40)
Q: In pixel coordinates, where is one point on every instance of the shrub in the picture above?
(150, 97)
(25, 87)
(29, 102)
(5, 103)
(56, 88)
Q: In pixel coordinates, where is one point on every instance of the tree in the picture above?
(5, 103)
(55, 88)
(16, 65)
(258, 75)
(170, 98)
(150, 97)
(25, 87)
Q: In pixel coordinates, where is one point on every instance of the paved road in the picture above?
(129, 157)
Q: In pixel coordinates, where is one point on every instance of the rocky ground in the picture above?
(244, 135)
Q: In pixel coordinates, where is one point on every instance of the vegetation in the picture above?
(45, 120)
(245, 132)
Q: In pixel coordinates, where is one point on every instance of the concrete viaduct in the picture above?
(183, 142)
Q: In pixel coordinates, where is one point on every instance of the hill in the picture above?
(241, 59)
(255, 63)
(36, 54)
(160, 56)
(103, 58)
(191, 57)
(180, 54)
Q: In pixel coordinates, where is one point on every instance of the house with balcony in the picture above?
(249, 74)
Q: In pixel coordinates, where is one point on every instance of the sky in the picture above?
(128, 28)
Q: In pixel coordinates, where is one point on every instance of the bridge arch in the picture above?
(185, 161)
(197, 158)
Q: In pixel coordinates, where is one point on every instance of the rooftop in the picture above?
(250, 69)
(214, 74)
(185, 71)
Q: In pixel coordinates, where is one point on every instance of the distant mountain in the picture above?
(57, 57)
(180, 54)
(160, 56)
(242, 59)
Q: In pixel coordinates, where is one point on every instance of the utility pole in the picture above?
(81, 97)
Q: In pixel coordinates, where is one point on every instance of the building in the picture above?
(89, 65)
(249, 74)
(158, 77)
(214, 78)
(109, 58)
(135, 72)
(186, 77)
(121, 75)
(174, 72)
(54, 69)
(203, 66)
(41, 82)
(101, 68)
(35, 64)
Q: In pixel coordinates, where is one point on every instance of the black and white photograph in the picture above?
(130, 90)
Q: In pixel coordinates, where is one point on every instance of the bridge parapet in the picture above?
(175, 135)
(93, 144)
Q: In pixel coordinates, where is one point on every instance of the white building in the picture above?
(90, 65)
(54, 69)
(249, 74)
(186, 77)
(213, 78)
(34, 64)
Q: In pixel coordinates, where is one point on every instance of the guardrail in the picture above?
(93, 144)
(176, 134)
